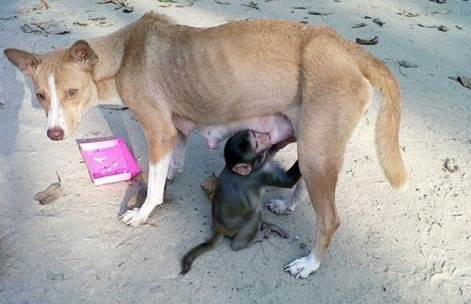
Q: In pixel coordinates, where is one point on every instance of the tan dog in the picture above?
(233, 72)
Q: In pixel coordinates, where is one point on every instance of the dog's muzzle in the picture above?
(55, 133)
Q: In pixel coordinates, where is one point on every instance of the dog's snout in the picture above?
(55, 133)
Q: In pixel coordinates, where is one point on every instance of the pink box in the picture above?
(108, 160)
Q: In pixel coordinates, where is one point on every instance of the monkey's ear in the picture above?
(242, 169)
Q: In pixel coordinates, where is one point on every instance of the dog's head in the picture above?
(63, 82)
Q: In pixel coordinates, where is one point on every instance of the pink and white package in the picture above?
(108, 160)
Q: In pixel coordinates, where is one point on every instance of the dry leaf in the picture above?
(123, 5)
(46, 28)
(378, 21)
(359, 25)
(408, 14)
(320, 13)
(53, 192)
(441, 28)
(407, 65)
(464, 81)
(252, 4)
(371, 41)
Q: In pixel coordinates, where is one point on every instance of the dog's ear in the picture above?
(81, 53)
(26, 62)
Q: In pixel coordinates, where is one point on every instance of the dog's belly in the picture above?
(278, 127)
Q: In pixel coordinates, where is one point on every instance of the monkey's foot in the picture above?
(303, 267)
(280, 206)
(209, 185)
(267, 228)
(134, 217)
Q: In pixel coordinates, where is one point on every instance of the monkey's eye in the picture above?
(40, 97)
(72, 93)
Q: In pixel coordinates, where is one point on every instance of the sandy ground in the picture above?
(392, 247)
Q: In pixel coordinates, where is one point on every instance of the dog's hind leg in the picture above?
(177, 162)
(326, 123)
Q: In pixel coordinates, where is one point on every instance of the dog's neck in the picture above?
(110, 51)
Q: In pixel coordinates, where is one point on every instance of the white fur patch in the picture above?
(303, 267)
(155, 193)
(55, 116)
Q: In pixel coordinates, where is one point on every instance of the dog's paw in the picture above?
(303, 267)
(133, 218)
(279, 206)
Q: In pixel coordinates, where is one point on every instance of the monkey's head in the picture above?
(246, 151)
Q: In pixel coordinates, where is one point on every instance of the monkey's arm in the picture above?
(277, 177)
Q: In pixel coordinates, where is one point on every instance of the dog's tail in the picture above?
(199, 250)
(388, 120)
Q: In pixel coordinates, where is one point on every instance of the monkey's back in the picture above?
(236, 198)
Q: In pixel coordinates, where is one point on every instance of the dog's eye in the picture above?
(40, 96)
(72, 93)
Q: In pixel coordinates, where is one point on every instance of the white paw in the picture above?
(303, 267)
(133, 218)
(279, 206)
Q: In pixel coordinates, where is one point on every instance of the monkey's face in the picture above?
(259, 141)
(246, 151)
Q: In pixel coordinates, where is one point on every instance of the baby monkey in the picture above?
(236, 205)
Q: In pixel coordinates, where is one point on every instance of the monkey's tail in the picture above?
(388, 120)
(199, 250)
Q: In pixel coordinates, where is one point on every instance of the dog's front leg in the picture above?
(161, 142)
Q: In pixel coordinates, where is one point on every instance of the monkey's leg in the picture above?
(248, 232)
(267, 228)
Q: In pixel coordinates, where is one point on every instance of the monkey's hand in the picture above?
(274, 175)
